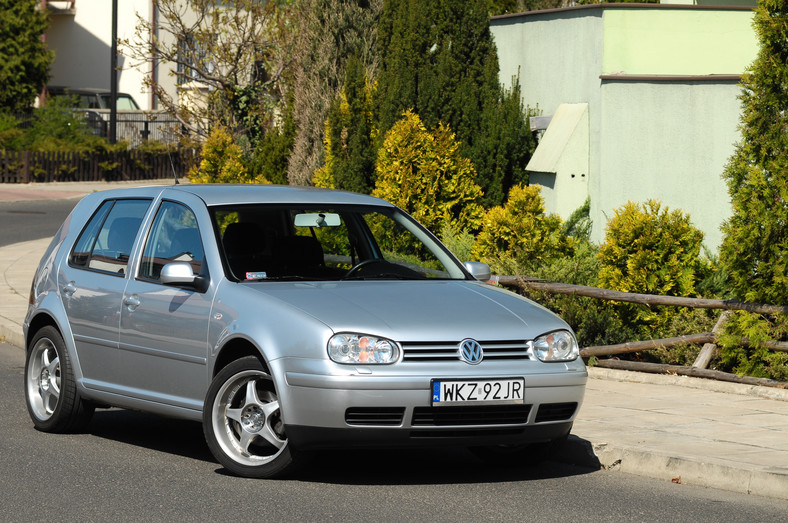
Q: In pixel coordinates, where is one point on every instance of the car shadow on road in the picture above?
(442, 465)
(172, 436)
(437, 466)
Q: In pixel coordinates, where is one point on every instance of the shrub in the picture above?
(423, 172)
(650, 250)
(271, 155)
(222, 161)
(520, 234)
(754, 359)
(460, 243)
(53, 127)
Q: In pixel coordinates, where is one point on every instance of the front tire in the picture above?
(53, 402)
(242, 421)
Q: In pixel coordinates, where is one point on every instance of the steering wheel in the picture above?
(357, 267)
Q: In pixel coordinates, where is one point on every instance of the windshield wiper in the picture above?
(289, 277)
(382, 276)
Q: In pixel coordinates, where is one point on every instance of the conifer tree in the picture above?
(755, 248)
(438, 58)
(350, 133)
(328, 33)
(754, 251)
(24, 58)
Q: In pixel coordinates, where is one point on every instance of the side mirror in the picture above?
(480, 271)
(180, 273)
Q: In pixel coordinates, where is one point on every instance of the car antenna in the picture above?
(172, 165)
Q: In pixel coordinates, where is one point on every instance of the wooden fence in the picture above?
(707, 339)
(59, 166)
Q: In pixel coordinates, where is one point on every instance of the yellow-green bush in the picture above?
(649, 249)
(222, 161)
(652, 250)
(423, 172)
(520, 234)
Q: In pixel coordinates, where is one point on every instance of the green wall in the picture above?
(677, 41)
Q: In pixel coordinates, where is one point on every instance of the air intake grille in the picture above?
(555, 412)
(449, 350)
(390, 416)
(489, 415)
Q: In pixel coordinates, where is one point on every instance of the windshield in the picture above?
(275, 243)
(125, 102)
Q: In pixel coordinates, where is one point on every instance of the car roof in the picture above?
(242, 194)
(228, 194)
(58, 89)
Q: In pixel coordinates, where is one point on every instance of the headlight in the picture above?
(360, 348)
(556, 346)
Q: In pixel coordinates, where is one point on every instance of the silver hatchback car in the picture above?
(289, 319)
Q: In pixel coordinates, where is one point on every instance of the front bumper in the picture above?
(362, 407)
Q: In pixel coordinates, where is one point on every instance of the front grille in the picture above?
(482, 415)
(466, 433)
(449, 350)
(390, 416)
(555, 412)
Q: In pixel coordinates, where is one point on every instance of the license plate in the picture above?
(487, 392)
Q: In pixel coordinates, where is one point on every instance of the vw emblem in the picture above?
(471, 352)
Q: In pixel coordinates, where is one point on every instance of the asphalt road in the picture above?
(32, 219)
(132, 466)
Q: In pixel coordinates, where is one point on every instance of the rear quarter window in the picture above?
(106, 241)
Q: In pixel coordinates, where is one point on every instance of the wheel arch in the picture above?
(235, 349)
(38, 322)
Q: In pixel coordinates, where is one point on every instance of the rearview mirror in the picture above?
(479, 270)
(317, 219)
(180, 273)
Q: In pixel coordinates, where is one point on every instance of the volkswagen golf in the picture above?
(289, 320)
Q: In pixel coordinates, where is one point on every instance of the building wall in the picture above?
(670, 141)
(660, 124)
(82, 44)
(677, 41)
(559, 58)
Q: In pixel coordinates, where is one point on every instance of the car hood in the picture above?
(418, 310)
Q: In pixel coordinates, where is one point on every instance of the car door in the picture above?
(92, 282)
(164, 329)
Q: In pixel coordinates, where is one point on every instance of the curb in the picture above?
(769, 482)
(12, 337)
(677, 469)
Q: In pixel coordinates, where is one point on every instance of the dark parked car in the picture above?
(90, 98)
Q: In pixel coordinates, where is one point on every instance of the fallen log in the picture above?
(642, 299)
(662, 368)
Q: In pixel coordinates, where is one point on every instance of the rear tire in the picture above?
(53, 402)
(242, 421)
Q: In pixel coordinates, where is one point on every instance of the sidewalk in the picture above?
(686, 430)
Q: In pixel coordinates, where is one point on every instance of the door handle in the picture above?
(69, 288)
(132, 302)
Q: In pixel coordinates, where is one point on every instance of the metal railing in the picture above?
(62, 166)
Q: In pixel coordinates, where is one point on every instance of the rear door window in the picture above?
(106, 242)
